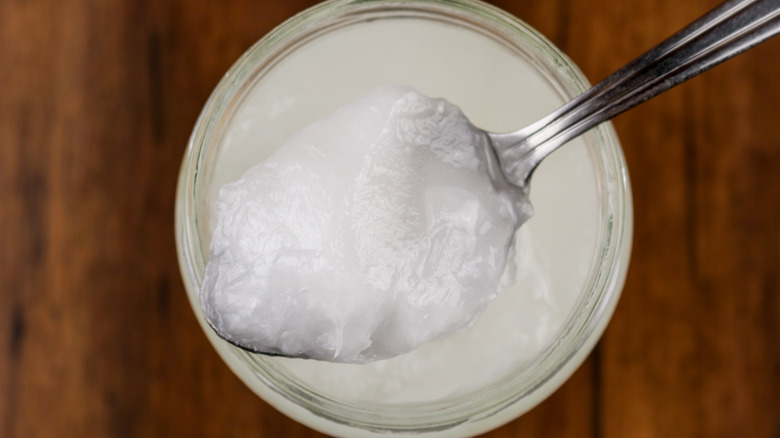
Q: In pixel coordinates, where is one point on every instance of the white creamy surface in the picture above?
(498, 92)
(372, 231)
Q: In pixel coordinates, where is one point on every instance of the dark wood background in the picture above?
(97, 99)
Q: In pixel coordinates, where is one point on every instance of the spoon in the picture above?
(724, 32)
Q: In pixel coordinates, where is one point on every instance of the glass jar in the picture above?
(302, 70)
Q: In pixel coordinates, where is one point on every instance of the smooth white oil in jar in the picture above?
(497, 91)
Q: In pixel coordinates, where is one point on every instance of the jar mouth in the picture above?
(503, 399)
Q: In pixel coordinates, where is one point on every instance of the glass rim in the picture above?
(603, 286)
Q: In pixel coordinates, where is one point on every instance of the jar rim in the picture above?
(581, 331)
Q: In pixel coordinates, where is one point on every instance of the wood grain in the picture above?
(97, 100)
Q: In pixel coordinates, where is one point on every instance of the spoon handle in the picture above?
(724, 32)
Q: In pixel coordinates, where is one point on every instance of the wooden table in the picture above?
(97, 99)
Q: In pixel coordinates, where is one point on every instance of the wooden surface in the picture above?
(97, 99)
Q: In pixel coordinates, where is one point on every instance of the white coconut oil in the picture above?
(498, 91)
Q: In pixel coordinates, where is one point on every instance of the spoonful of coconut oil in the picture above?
(390, 222)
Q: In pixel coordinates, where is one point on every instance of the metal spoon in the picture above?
(726, 31)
